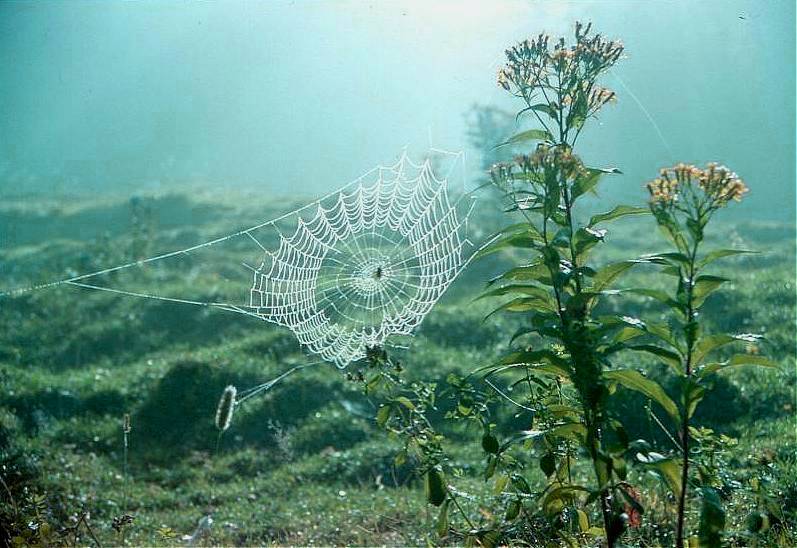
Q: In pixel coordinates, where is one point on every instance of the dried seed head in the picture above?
(226, 407)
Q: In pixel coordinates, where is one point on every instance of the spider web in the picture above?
(353, 269)
(370, 265)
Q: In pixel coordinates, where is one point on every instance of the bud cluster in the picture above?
(558, 160)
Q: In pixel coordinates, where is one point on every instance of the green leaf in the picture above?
(435, 487)
(513, 510)
(500, 484)
(532, 357)
(541, 107)
(526, 289)
(605, 276)
(490, 444)
(528, 239)
(712, 519)
(668, 470)
(660, 296)
(617, 212)
(720, 253)
(521, 484)
(383, 414)
(530, 135)
(524, 304)
(693, 395)
(548, 464)
(571, 430)
(405, 401)
(583, 521)
(492, 464)
(706, 345)
(585, 183)
(442, 520)
(668, 258)
(627, 327)
(526, 273)
(586, 238)
(704, 286)
(735, 361)
(634, 380)
(670, 358)
(559, 411)
(558, 498)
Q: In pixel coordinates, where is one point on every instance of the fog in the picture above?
(301, 97)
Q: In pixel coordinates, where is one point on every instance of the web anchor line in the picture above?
(247, 231)
(363, 264)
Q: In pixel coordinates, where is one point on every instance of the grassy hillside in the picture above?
(304, 463)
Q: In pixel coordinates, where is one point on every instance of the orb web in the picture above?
(368, 264)
(343, 273)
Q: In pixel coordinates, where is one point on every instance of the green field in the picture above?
(304, 463)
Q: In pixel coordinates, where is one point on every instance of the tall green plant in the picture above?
(556, 287)
(683, 201)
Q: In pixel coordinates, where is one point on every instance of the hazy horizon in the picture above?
(290, 97)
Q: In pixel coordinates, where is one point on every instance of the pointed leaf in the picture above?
(435, 487)
(541, 107)
(583, 521)
(735, 361)
(708, 344)
(605, 276)
(512, 510)
(548, 464)
(704, 286)
(712, 518)
(635, 381)
(525, 304)
(617, 212)
(660, 296)
(442, 520)
(585, 183)
(693, 395)
(720, 253)
(610, 170)
(525, 289)
(670, 471)
(530, 135)
(558, 498)
(526, 273)
(586, 238)
(518, 241)
(670, 358)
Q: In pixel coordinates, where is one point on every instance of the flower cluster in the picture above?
(717, 185)
(564, 75)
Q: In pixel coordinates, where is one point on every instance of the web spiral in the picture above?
(370, 263)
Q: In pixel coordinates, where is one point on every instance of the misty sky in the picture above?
(304, 96)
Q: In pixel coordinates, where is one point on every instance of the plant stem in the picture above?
(592, 407)
(126, 432)
(679, 540)
(461, 511)
(124, 487)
